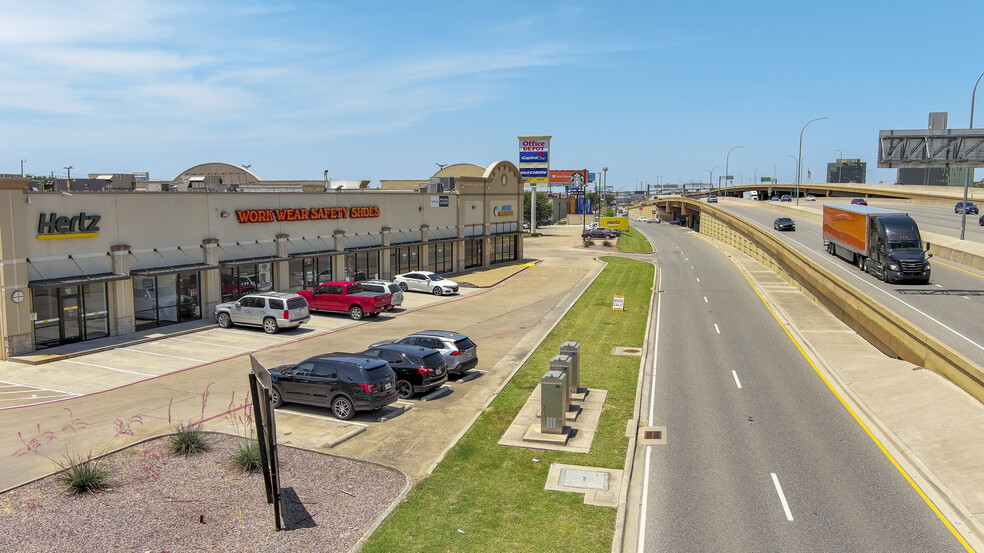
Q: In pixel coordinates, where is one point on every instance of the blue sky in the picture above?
(656, 91)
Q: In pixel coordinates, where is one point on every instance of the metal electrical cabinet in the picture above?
(553, 402)
(573, 349)
(563, 363)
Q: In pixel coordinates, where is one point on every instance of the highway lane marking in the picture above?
(166, 355)
(641, 542)
(698, 279)
(858, 277)
(108, 368)
(210, 344)
(705, 299)
(735, 373)
(716, 328)
(895, 463)
(959, 269)
(785, 506)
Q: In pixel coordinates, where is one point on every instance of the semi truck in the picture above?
(882, 242)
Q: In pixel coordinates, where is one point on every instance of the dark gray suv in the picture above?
(458, 350)
(343, 382)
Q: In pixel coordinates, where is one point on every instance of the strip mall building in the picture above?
(81, 265)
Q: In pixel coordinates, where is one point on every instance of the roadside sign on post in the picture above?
(618, 302)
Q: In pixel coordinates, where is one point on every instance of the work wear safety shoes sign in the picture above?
(305, 214)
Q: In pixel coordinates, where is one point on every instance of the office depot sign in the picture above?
(534, 145)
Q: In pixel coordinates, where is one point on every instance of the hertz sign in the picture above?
(305, 214)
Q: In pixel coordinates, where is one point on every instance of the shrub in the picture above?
(607, 243)
(588, 243)
(82, 475)
(188, 440)
(246, 456)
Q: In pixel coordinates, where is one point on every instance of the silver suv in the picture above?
(458, 350)
(270, 310)
(385, 287)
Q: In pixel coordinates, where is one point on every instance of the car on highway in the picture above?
(859, 201)
(270, 310)
(426, 281)
(343, 382)
(810, 198)
(643, 219)
(418, 369)
(785, 198)
(981, 221)
(458, 350)
(712, 199)
(774, 199)
(784, 223)
(385, 286)
(970, 207)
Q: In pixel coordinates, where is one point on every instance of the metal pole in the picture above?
(800, 158)
(771, 184)
(970, 170)
(710, 178)
(727, 161)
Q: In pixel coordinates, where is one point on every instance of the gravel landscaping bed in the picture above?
(159, 502)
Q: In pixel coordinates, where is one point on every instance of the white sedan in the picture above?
(426, 281)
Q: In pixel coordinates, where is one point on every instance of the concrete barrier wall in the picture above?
(882, 327)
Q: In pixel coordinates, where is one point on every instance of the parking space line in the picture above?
(211, 344)
(270, 336)
(165, 355)
(398, 401)
(107, 368)
(39, 388)
(47, 399)
(331, 419)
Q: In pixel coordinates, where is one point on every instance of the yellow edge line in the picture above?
(958, 269)
(76, 235)
(846, 406)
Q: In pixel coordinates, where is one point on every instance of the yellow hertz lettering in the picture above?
(305, 214)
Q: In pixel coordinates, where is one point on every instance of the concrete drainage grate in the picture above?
(620, 350)
(652, 435)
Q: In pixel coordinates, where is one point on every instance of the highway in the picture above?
(760, 455)
(949, 308)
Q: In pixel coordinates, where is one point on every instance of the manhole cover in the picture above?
(622, 350)
(587, 479)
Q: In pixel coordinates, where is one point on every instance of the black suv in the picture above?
(418, 369)
(344, 382)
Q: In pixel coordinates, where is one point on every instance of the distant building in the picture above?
(847, 170)
(933, 176)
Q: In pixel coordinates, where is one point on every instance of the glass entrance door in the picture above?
(71, 321)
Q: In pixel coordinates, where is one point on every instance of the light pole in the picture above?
(727, 160)
(773, 181)
(840, 154)
(326, 179)
(69, 169)
(970, 170)
(796, 161)
(800, 158)
(23, 161)
(710, 178)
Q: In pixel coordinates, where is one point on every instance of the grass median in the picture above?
(487, 497)
(632, 241)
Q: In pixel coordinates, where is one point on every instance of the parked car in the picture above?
(643, 219)
(344, 383)
(426, 281)
(603, 233)
(712, 199)
(544, 222)
(418, 369)
(774, 199)
(969, 208)
(458, 350)
(980, 221)
(785, 198)
(656, 220)
(347, 297)
(784, 223)
(859, 201)
(385, 286)
(810, 198)
(270, 310)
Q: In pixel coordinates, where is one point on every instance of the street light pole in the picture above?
(800, 158)
(710, 178)
(727, 160)
(773, 182)
(69, 169)
(970, 170)
(23, 161)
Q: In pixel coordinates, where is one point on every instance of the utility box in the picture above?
(553, 402)
(563, 363)
(573, 349)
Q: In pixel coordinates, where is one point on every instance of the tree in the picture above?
(544, 209)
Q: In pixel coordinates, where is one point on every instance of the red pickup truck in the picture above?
(347, 297)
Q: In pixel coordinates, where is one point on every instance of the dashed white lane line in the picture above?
(716, 329)
(782, 498)
(738, 382)
(166, 355)
(705, 299)
(109, 368)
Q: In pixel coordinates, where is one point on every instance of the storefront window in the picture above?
(69, 314)
(96, 311)
(406, 259)
(440, 257)
(165, 299)
(473, 252)
(240, 280)
(362, 265)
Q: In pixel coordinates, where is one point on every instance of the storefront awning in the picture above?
(252, 261)
(318, 253)
(153, 271)
(76, 280)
